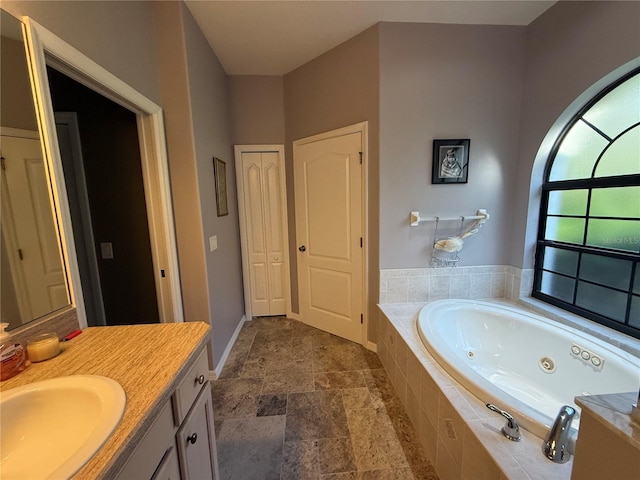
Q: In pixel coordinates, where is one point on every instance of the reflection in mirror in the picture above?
(32, 276)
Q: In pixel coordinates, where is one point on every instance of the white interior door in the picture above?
(31, 225)
(261, 192)
(328, 176)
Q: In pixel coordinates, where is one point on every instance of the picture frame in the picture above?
(450, 161)
(220, 178)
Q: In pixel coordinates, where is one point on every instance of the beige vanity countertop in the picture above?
(147, 360)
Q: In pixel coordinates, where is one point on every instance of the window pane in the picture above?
(612, 272)
(578, 153)
(636, 283)
(617, 110)
(634, 316)
(618, 234)
(604, 301)
(615, 202)
(568, 202)
(557, 286)
(622, 157)
(570, 230)
(561, 261)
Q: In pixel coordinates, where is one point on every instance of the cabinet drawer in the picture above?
(190, 386)
(149, 453)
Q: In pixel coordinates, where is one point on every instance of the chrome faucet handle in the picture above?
(511, 429)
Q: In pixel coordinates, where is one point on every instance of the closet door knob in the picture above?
(302, 248)
(193, 438)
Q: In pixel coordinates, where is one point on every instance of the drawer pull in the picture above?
(200, 379)
(192, 439)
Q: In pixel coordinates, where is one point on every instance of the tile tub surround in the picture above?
(430, 284)
(293, 402)
(458, 433)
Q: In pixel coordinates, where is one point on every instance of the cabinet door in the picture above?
(151, 451)
(169, 469)
(197, 441)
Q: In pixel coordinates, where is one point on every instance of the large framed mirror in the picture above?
(33, 278)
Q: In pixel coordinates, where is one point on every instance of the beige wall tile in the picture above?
(413, 409)
(450, 429)
(428, 437)
(476, 462)
(446, 466)
(429, 397)
(402, 351)
(414, 373)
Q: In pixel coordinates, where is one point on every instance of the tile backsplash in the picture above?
(430, 284)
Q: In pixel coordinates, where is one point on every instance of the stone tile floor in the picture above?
(294, 402)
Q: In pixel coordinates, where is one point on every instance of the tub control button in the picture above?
(575, 350)
(596, 361)
(586, 355)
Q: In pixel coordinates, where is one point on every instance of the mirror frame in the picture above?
(44, 49)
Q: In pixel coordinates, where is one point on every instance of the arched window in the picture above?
(588, 250)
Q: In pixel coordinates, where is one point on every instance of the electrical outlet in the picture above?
(213, 243)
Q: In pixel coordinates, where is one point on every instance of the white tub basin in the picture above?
(523, 362)
(51, 428)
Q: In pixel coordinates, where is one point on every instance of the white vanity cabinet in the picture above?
(180, 444)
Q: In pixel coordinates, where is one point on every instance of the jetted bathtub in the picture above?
(522, 362)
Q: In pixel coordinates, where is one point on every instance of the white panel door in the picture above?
(329, 231)
(32, 224)
(264, 230)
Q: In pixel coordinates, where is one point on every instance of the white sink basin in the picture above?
(51, 428)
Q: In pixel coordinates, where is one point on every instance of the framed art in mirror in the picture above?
(450, 161)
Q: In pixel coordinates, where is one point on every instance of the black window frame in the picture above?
(588, 184)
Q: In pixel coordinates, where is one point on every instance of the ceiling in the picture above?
(272, 37)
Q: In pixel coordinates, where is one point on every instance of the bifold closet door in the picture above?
(262, 174)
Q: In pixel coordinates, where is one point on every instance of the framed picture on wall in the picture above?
(220, 176)
(450, 161)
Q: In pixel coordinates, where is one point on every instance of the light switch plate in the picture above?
(213, 243)
(106, 250)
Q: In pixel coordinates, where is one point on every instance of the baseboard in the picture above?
(225, 355)
(372, 346)
(293, 316)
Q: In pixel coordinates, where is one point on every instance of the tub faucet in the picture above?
(511, 430)
(556, 445)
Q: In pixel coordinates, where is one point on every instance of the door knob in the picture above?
(302, 248)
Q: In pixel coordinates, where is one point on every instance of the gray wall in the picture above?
(257, 109)
(172, 72)
(119, 39)
(337, 89)
(209, 95)
(444, 82)
(570, 49)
